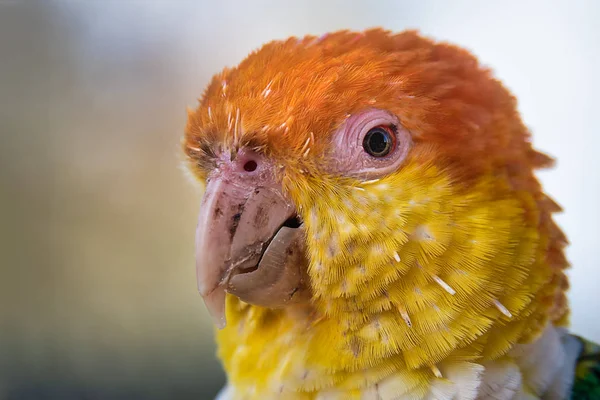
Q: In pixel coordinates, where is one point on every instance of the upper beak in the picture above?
(249, 241)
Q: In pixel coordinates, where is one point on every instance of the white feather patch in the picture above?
(226, 393)
(501, 381)
(442, 389)
(563, 381)
(465, 376)
(541, 360)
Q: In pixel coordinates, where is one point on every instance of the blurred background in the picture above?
(98, 297)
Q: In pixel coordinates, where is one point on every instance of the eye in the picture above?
(369, 144)
(380, 141)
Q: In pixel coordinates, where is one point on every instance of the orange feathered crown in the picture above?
(294, 93)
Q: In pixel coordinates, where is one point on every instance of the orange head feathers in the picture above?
(297, 91)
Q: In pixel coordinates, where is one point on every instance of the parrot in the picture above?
(371, 227)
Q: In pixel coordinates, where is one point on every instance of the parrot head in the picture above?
(385, 183)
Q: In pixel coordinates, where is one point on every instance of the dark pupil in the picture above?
(377, 142)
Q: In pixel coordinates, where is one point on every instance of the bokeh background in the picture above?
(98, 297)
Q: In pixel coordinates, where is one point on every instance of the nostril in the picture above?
(250, 166)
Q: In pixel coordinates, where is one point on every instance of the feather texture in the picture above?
(442, 267)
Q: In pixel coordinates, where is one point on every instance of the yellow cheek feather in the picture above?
(413, 277)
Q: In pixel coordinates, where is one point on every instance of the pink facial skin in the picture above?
(349, 158)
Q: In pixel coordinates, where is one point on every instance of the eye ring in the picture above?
(380, 141)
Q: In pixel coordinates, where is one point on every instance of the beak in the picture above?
(249, 241)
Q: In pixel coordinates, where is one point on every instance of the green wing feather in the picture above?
(587, 372)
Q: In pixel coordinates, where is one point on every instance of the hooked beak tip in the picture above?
(215, 303)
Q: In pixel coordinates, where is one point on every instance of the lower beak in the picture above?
(249, 243)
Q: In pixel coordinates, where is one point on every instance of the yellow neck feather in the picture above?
(407, 273)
